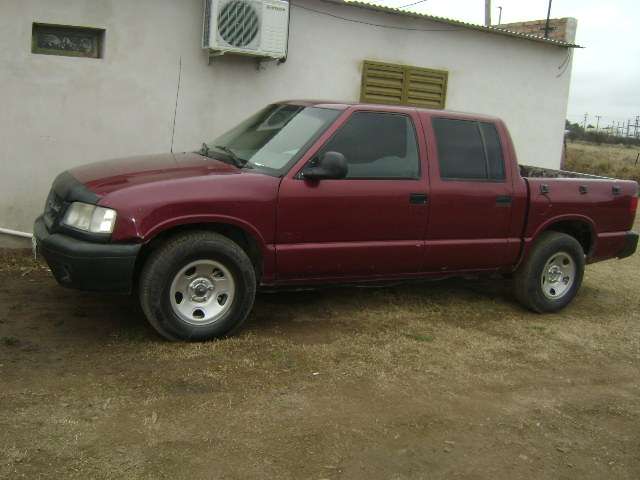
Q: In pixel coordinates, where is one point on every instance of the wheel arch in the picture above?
(248, 238)
(580, 227)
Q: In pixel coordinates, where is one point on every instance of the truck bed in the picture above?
(601, 205)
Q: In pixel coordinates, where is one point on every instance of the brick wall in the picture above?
(563, 29)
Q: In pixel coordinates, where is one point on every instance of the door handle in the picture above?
(503, 200)
(418, 198)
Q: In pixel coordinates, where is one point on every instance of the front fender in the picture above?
(156, 229)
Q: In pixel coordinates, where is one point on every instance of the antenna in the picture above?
(175, 110)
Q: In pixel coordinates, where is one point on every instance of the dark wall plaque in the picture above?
(67, 40)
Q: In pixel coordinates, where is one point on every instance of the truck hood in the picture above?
(111, 175)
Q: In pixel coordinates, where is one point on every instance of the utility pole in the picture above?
(628, 123)
(598, 117)
(584, 124)
(635, 126)
(487, 13)
(500, 15)
(547, 29)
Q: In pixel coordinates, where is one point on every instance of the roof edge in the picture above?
(456, 23)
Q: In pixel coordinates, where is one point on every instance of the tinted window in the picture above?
(377, 145)
(494, 151)
(460, 149)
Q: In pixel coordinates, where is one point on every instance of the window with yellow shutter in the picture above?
(403, 85)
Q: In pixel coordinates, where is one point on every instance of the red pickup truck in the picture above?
(306, 193)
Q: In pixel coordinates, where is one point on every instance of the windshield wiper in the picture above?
(204, 150)
(236, 161)
(239, 162)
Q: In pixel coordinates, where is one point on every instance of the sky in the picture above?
(606, 73)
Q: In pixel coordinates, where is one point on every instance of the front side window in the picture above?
(274, 136)
(377, 145)
(468, 150)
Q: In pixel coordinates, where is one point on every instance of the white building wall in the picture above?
(58, 112)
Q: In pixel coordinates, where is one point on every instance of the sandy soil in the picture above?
(437, 380)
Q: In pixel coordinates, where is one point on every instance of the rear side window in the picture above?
(468, 150)
(378, 145)
(494, 151)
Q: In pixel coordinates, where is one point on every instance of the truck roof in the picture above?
(343, 105)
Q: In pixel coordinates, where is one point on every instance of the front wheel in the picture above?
(550, 277)
(197, 286)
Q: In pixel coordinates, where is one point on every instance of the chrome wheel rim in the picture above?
(202, 292)
(558, 275)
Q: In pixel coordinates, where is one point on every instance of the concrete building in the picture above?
(61, 111)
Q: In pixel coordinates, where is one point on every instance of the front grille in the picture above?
(53, 209)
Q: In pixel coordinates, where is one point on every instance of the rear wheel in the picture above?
(197, 286)
(552, 274)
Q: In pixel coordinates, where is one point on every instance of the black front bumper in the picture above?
(75, 263)
(630, 245)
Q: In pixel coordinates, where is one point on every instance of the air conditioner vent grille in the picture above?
(238, 23)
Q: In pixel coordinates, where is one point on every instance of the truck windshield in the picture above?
(272, 137)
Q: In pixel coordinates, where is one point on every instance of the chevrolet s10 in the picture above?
(307, 193)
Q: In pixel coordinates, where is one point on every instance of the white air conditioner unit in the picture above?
(249, 27)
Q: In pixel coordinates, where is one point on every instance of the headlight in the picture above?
(90, 218)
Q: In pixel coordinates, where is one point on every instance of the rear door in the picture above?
(471, 197)
(370, 224)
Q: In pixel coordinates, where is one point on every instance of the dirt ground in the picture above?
(436, 380)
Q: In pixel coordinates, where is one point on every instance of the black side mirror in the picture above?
(332, 165)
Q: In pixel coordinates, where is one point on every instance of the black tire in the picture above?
(164, 264)
(528, 277)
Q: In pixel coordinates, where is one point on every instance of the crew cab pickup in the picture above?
(308, 193)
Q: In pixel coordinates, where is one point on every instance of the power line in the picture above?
(563, 66)
(412, 4)
(380, 25)
(175, 111)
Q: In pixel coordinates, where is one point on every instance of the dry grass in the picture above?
(617, 161)
(437, 380)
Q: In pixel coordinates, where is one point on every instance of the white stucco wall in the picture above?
(58, 112)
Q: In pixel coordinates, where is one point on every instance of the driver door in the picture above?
(370, 224)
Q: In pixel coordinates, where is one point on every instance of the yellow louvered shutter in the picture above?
(403, 85)
(425, 88)
(382, 83)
